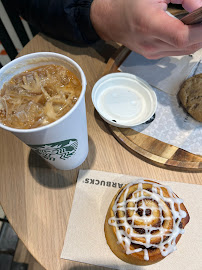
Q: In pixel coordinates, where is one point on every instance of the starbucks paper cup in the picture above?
(63, 143)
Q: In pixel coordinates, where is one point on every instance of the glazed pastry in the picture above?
(144, 222)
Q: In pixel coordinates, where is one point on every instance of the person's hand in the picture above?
(144, 26)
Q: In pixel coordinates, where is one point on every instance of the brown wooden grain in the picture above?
(36, 198)
(193, 17)
(150, 148)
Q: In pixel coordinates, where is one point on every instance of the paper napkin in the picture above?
(171, 123)
(85, 240)
(166, 74)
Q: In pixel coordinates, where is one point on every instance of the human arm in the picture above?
(145, 27)
(141, 25)
(67, 20)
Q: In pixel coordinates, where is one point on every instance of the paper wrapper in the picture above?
(85, 240)
(166, 74)
(171, 124)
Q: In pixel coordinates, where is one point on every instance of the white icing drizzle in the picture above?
(139, 201)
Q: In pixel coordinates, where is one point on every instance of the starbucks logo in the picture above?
(63, 150)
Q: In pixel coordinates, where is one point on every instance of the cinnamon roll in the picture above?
(144, 222)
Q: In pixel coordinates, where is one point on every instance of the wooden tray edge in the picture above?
(112, 66)
(152, 157)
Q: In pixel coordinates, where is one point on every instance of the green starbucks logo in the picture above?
(63, 150)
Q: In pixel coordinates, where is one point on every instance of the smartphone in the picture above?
(193, 17)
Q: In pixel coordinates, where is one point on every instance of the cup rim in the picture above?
(104, 85)
(47, 54)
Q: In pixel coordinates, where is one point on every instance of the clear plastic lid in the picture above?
(124, 100)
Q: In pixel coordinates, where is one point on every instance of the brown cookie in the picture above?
(190, 96)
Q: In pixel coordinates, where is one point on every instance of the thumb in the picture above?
(189, 5)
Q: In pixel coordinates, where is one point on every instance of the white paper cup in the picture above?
(63, 143)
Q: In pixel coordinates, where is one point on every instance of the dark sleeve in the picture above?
(67, 20)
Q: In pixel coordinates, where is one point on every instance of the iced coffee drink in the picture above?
(42, 102)
(38, 97)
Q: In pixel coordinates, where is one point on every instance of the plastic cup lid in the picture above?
(124, 100)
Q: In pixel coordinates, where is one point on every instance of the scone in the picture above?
(190, 96)
(144, 222)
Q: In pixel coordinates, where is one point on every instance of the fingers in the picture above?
(157, 49)
(195, 34)
(189, 5)
(153, 48)
(161, 54)
(174, 32)
(167, 54)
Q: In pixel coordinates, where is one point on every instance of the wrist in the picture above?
(99, 15)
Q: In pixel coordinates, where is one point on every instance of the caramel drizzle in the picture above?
(127, 233)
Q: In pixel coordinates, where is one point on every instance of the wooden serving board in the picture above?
(148, 147)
